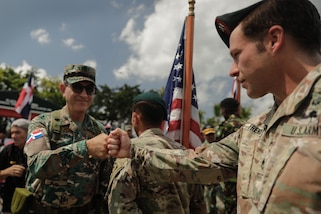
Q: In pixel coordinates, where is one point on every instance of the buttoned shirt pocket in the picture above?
(248, 163)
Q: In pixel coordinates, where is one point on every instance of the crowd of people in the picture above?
(70, 163)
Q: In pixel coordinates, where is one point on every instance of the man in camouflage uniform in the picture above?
(68, 161)
(275, 45)
(221, 197)
(232, 121)
(132, 190)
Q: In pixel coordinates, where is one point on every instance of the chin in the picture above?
(82, 108)
(254, 95)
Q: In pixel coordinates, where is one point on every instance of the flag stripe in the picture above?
(23, 104)
(174, 98)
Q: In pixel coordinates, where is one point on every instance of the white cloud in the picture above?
(71, 43)
(41, 35)
(25, 67)
(153, 49)
(91, 63)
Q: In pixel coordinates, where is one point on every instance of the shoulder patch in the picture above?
(34, 135)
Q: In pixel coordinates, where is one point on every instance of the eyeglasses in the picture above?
(78, 88)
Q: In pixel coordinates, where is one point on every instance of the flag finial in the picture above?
(191, 7)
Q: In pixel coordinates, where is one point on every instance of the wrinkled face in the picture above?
(19, 136)
(78, 96)
(251, 66)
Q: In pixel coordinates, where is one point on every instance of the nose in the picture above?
(234, 71)
(83, 92)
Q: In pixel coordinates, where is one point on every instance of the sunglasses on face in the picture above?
(78, 88)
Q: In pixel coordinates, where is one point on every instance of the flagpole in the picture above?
(236, 92)
(238, 98)
(188, 75)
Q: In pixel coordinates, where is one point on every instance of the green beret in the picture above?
(226, 23)
(77, 73)
(153, 98)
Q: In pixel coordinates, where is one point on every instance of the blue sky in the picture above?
(127, 41)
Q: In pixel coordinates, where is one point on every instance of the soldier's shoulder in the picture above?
(44, 118)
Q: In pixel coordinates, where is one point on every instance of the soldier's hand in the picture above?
(97, 146)
(119, 144)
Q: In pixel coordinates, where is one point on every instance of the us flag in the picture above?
(23, 104)
(174, 95)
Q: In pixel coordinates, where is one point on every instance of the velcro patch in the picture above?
(34, 135)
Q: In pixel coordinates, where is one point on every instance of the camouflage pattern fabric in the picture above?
(134, 190)
(232, 124)
(61, 174)
(277, 156)
(221, 198)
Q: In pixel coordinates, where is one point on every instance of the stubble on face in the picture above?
(250, 64)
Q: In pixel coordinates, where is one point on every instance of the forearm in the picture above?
(181, 165)
(49, 163)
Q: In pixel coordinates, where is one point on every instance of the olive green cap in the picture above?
(153, 98)
(75, 73)
(226, 23)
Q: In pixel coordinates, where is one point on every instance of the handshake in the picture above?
(116, 144)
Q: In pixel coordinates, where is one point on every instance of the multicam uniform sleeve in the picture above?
(215, 163)
(124, 188)
(44, 162)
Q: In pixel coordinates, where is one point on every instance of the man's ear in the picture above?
(62, 88)
(275, 37)
(135, 118)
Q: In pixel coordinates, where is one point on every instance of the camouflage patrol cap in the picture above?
(153, 98)
(75, 73)
(226, 23)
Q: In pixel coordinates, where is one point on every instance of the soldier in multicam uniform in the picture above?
(132, 190)
(68, 161)
(275, 45)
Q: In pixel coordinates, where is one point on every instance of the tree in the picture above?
(50, 91)
(10, 80)
(114, 105)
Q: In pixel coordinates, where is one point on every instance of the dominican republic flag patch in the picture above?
(34, 135)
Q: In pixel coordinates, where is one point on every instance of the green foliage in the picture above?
(50, 91)
(10, 80)
(114, 104)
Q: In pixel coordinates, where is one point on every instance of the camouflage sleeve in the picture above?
(123, 190)
(197, 203)
(44, 162)
(215, 163)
